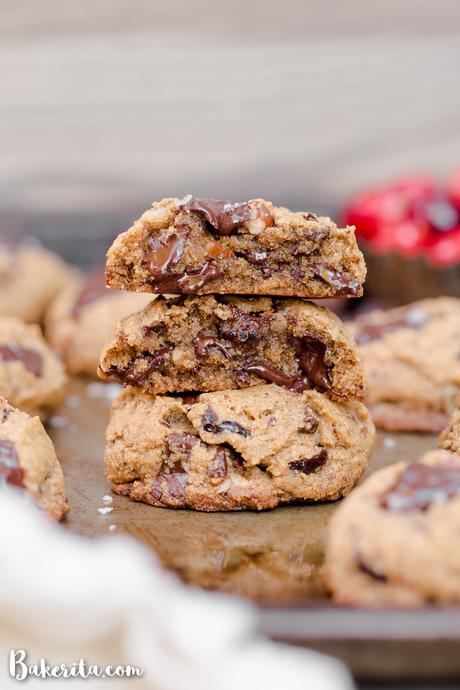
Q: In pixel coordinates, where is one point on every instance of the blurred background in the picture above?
(106, 105)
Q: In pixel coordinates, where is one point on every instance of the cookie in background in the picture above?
(32, 377)
(30, 278)
(411, 361)
(83, 319)
(28, 460)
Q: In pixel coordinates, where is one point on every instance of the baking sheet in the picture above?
(273, 557)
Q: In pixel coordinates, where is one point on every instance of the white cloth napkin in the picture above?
(63, 597)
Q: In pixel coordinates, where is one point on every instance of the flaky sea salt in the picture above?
(389, 442)
(103, 391)
(105, 511)
(107, 499)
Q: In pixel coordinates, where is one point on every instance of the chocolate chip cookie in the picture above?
(395, 541)
(83, 318)
(30, 278)
(204, 246)
(31, 375)
(411, 357)
(28, 460)
(252, 448)
(219, 342)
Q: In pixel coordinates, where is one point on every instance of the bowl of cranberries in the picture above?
(410, 234)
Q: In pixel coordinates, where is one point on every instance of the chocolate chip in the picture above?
(342, 282)
(293, 383)
(188, 282)
(223, 216)
(311, 353)
(253, 256)
(310, 422)
(308, 465)
(164, 253)
(6, 413)
(218, 468)
(11, 471)
(32, 360)
(203, 343)
(243, 327)
(137, 378)
(93, 289)
(310, 216)
(211, 425)
(412, 318)
(181, 442)
(419, 486)
(189, 398)
(175, 480)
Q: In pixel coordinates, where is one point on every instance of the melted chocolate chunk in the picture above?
(311, 353)
(209, 424)
(187, 282)
(203, 343)
(32, 360)
(189, 398)
(137, 378)
(342, 282)
(164, 253)
(218, 468)
(412, 318)
(308, 465)
(223, 216)
(11, 471)
(176, 482)
(419, 486)
(293, 383)
(93, 289)
(310, 422)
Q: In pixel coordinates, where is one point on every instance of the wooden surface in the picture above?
(274, 558)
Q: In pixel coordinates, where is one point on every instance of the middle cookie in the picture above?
(225, 342)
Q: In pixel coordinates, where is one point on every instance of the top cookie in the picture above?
(203, 246)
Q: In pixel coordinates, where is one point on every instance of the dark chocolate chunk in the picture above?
(32, 360)
(223, 216)
(218, 468)
(211, 425)
(412, 318)
(419, 486)
(187, 282)
(11, 471)
(310, 216)
(308, 465)
(176, 481)
(342, 282)
(164, 253)
(293, 383)
(181, 442)
(93, 289)
(253, 256)
(311, 353)
(203, 343)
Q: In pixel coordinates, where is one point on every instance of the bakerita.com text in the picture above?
(21, 668)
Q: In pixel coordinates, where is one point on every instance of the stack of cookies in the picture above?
(239, 393)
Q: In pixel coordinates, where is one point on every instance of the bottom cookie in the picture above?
(28, 460)
(253, 448)
(395, 541)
